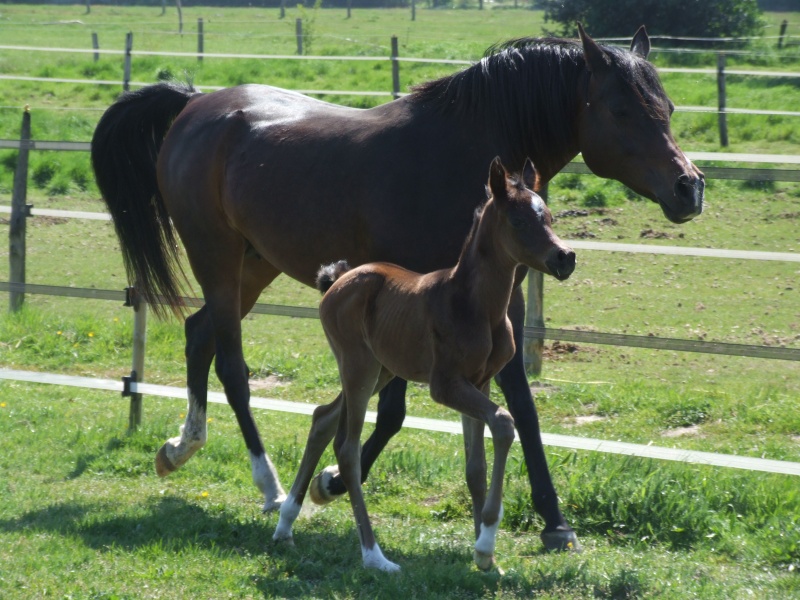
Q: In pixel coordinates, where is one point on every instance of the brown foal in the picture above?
(447, 328)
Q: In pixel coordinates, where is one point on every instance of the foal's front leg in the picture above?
(459, 394)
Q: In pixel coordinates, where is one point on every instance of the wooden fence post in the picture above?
(283, 9)
(96, 46)
(413, 10)
(395, 70)
(19, 214)
(349, 6)
(298, 31)
(533, 347)
(126, 77)
(784, 25)
(200, 40)
(137, 369)
(723, 118)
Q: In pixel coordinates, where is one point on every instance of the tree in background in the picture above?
(686, 18)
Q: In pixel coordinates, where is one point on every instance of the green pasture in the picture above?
(83, 515)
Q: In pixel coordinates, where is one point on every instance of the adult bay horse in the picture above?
(259, 181)
(449, 329)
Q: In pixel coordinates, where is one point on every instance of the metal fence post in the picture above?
(137, 369)
(19, 214)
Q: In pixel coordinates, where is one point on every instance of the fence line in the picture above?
(699, 71)
(655, 249)
(565, 335)
(443, 426)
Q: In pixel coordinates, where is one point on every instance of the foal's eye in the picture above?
(517, 222)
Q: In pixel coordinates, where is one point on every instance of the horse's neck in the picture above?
(484, 274)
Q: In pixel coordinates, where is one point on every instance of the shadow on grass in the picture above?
(325, 562)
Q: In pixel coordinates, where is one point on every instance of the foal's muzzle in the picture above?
(560, 262)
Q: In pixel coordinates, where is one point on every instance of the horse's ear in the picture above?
(641, 43)
(529, 176)
(596, 58)
(497, 180)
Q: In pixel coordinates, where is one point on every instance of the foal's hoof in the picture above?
(561, 540)
(274, 504)
(164, 465)
(319, 491)
(484, 561)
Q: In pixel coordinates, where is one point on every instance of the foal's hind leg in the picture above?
(328, 484)
(360, 374)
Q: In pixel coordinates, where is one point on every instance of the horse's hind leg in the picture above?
(199, 354)
(200, 349)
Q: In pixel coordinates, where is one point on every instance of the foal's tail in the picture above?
(328, 274)
(125, 147)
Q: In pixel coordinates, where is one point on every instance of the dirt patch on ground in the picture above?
(565, 350)
(691, 431)
(270, 382)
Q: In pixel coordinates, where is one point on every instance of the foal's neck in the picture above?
(484, 274)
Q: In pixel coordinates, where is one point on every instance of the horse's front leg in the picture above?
(557, 534)
(328, 485)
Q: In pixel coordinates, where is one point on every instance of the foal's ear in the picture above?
(529, 176)
(596, 58)
(641, 43)
(497, 180)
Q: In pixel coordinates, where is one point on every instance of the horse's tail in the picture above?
(328, 274)
(125, 147)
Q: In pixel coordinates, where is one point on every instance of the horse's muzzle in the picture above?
(560, 262)
(687, 201)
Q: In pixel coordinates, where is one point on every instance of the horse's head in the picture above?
(524, 223)
(624, 131)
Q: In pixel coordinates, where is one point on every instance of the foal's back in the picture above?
(392, 305)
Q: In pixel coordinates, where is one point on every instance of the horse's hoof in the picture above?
(319, 490)
(164, 465)
(484, 561)
(561, 540)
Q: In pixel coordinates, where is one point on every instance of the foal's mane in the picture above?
(530, 87)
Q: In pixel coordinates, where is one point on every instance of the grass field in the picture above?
(84, 516)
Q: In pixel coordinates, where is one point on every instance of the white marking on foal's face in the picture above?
(538, 205)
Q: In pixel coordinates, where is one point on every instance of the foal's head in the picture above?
(523, 223)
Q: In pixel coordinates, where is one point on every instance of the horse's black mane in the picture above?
(531, 85)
